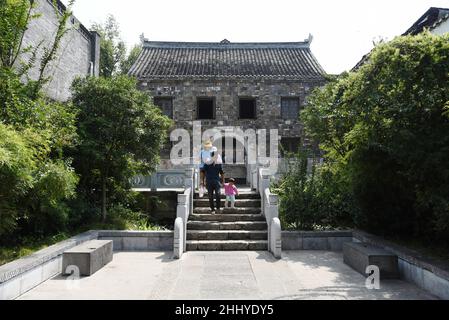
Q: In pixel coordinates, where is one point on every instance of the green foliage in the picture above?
(37, 178)
(27, 246)
(121, 134)
(313, 196)
(112, 48)
(40, 192)
(131, 59)
(386, 127)
(17, 165)
(114, 59)
(14, 18)
(123, 218)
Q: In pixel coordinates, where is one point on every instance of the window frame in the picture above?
(172, 116)
(214, 107)
(290, 141)
(247, 98)
(287, 115)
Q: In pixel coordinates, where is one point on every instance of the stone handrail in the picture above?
(270, 210)
(183, 211)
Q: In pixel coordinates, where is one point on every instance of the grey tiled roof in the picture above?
(171, 60)
(430, 20)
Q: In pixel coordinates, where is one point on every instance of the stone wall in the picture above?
(78, 55)
(315, 240)
(268, 94)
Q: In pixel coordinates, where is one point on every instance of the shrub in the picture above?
(386, 127)
(121, 133)
(314, 197)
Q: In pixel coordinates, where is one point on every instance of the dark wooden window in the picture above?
(290, 145)
(247, 108)
(205, 108)
(290, 108)
(165, 104)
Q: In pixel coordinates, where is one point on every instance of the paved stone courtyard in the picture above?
(225, 275)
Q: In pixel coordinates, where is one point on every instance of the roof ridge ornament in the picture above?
(225, 41)
(309, 40)
(142, 38)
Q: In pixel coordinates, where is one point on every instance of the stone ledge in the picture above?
(361, 255)
(315, 240)
(437, 267)
(21, 266)
(318, 234)
(139, 240)
(138, 234)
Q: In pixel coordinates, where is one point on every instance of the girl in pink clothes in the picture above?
(230, 191)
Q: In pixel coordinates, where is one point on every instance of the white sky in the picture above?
(343, 30)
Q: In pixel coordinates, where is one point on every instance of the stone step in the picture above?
(240, 225)
(226, 235)
(225, 217)
(249, 210)
(228, 245)
(239, 203)
(242, 195)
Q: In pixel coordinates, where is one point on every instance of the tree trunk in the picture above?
(103, 199)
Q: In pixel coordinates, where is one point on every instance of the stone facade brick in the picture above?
(267, 93)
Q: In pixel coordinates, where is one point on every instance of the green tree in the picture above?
(36, 175)
(112, 47)
(121, 134)
(130, 59)
(18, 161)
(385, 127)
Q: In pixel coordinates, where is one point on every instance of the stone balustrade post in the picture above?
(182, 212)
(178, 244)
(276, 238)
(271, 210)
(190, 184)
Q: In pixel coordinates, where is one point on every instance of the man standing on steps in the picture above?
(214, 181)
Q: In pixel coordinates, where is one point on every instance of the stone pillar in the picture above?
(95, 52)
(182, 212)
(189, 183)
(276, 238)
(178, 244)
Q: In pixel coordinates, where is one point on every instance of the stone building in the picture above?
(245, 85)
(78, 54)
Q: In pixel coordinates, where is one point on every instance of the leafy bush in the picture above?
(121, 133)
(314, 197)
(386, 128)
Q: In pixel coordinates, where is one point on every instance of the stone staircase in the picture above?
(242, 228)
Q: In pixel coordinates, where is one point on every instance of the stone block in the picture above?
(359, 256)
(51, 268)
(336, 243)
(438, 286)
(135, 243)
(89, 257)
(117, 242)
(31, 279)
(411, 273)
(11, 289)
(314, 243)
(291, 242)
(163, 243)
